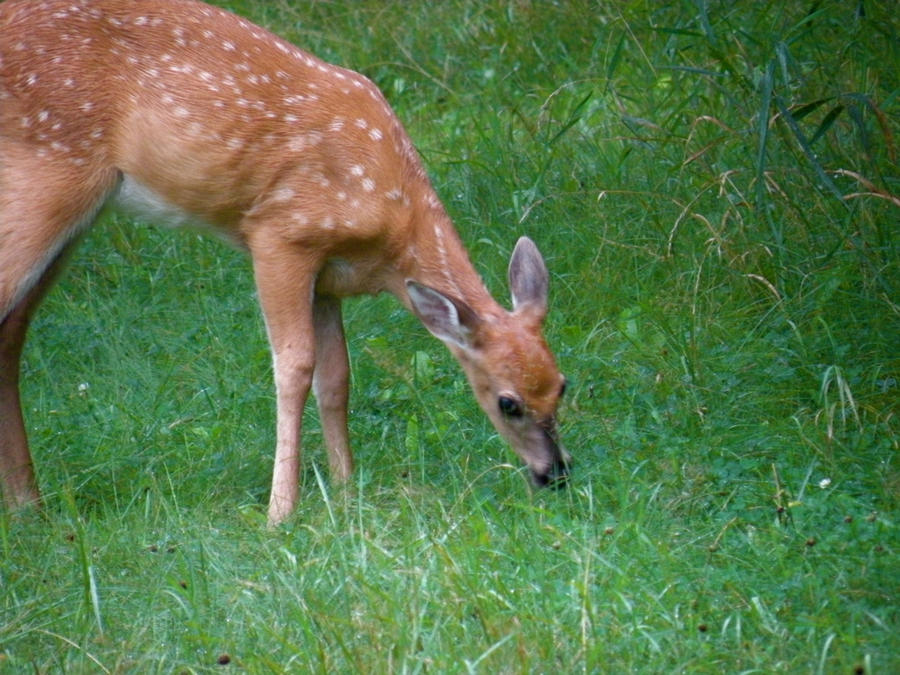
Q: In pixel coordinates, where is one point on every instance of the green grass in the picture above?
(714, 188)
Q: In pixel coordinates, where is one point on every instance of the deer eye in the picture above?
(510, 407)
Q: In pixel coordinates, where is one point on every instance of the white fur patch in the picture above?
(142, 202)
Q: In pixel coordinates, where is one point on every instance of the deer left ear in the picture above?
(528, 278)
(448, 319)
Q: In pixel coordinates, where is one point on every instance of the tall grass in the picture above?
(715, 189)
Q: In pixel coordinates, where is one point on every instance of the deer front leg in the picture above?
(331, 384)
(284, 280)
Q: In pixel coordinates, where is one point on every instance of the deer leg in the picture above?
(284, 279)
(40, 216)
(331, 383)
(17, 480)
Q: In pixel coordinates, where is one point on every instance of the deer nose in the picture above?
(556, 476)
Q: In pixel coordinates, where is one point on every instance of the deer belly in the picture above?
(137, 200)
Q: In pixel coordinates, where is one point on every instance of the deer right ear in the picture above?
(528, 278)
(448, 319)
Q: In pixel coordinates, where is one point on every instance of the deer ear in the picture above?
(528, 278)
(448, 319)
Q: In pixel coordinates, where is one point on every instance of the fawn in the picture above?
(187, 113)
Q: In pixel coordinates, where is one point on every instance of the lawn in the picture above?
(715, 189)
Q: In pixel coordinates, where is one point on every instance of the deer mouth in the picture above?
(556, 477)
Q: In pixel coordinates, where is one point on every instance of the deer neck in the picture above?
(436, 257)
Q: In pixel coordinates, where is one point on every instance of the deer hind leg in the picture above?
(40, 215)
(17, 480)
(331, 384)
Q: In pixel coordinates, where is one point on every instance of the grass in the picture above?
(715, 190)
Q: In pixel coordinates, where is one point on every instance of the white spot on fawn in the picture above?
(283, 194)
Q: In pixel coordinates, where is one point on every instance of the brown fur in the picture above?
(187, 111)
